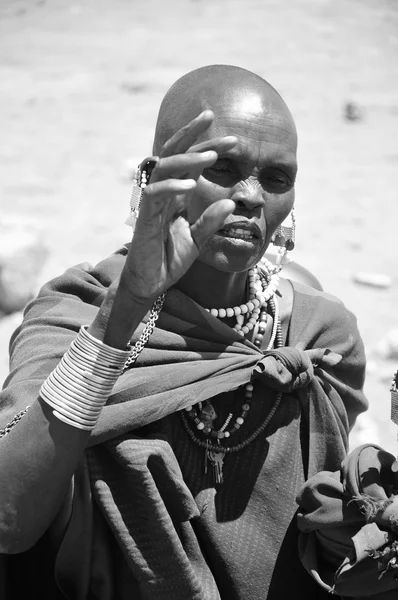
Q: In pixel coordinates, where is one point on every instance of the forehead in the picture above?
(263, 129)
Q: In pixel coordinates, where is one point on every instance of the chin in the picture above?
(231, 257)
(228, 263)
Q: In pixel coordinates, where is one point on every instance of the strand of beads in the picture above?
(206, 427)
(262, 284)
(217, 446)
(223, 432)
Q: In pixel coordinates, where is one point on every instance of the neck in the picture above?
(212, 288)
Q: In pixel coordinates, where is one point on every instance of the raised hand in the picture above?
(165, 243)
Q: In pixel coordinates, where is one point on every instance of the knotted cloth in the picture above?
(349, 520)
(290, 369)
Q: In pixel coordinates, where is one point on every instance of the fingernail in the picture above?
(206, 113)
(188, 183)
(230, 139)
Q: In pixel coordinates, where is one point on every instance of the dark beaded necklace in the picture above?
(215, 451)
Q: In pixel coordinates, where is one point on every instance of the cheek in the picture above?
(277, 209)
(204, 195)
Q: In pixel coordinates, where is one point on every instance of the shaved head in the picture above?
(219, 88)
(257, 172)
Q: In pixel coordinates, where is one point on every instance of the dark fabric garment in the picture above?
(344, 516)
(136, 495)
(32, 570)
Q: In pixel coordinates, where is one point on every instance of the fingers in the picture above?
(166, 187)
(187, 135)
(183, 165)
(219, 145)
(180, 158)
(211, 220)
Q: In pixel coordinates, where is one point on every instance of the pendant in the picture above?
(207, 415)
(216, 460)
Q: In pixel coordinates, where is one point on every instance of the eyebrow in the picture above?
(277, 159)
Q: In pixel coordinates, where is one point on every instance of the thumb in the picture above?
(211, 220)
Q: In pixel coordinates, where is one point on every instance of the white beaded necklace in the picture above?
(262, 286)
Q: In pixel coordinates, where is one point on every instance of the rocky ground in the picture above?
(80, 83)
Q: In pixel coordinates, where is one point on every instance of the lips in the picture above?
(241, 230)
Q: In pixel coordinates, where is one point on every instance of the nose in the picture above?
(248, 195)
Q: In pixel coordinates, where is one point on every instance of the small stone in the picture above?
(352, 112)
(378, 280)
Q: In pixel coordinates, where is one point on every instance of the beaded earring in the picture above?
(284, 239)
(141, 180)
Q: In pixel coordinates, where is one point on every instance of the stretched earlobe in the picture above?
(141, 180)
(284, 239)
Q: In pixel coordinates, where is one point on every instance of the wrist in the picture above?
(119, 316)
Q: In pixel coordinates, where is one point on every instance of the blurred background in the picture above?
(80, 85)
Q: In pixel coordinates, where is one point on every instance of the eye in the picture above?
(223, 172)
(277, 181)
(222, 165)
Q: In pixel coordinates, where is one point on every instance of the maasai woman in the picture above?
(165, 407)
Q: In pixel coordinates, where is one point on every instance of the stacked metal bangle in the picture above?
(80, 385)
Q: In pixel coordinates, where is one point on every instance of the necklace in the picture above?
(215, 452)
(262, 285)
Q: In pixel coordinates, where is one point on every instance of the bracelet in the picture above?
(80, 385)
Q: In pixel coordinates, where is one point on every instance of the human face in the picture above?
(258, 174)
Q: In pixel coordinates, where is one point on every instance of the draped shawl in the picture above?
(349, 526)
(190, 357)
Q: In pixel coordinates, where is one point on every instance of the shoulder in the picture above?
(317, 314)
(296, 272)
(307, 293)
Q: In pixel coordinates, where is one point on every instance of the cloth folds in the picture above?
(190, 357)
(289, 369)
(348, 522)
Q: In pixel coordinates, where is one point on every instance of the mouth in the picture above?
(245, 231)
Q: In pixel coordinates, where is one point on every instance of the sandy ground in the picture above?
(80, 84)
